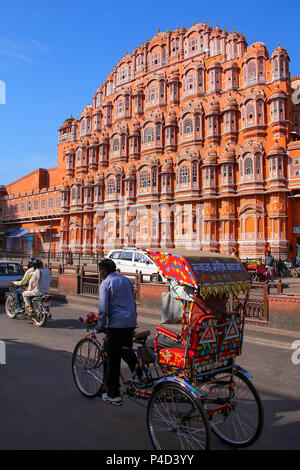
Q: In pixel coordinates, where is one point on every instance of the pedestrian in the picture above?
(39, 284)
(269, 263)
(234, 252)
(69, 257)
(117, 316)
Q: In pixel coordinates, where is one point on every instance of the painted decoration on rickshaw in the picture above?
(211, 273)
(208, 336)
(232, 331)
(172, 356)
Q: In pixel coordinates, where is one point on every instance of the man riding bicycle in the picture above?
(117, 316)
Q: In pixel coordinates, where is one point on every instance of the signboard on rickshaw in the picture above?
(212, 273)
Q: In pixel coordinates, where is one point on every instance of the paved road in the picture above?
(42, 409)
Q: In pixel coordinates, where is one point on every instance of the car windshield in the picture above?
(11, 269)
(115, 255)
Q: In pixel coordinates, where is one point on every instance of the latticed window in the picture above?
(111, 186)
(115, 145)
(197, 123)
(154, 177)
(118, 184)
(149, 135)
(145, 179)
(184, 175)
(188, 126)
(123, 140)
(251, 72)
(194, 173)
(162, 89)
(248, 166)
(158, 132)
(257, 165)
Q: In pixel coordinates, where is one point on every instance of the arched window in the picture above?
(190, 83)
(258, 166)
(155, 59)
(139, 62)
(250, 112)
(149, 135)
(120, 106)
(187, 126)
(116, 145)
(119, 184)
(145, 179)
(251, 71)
(111, 186)
(174, 46)
(184, 175)
(152, 95)
(248, 167)
(194, 173)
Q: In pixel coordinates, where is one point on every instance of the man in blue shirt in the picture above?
(117, 315)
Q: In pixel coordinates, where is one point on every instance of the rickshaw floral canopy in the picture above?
(213, 274)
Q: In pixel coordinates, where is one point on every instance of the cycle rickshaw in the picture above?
(193, 386)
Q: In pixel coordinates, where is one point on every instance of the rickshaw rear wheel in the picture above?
(88, 367)
(176, 420)
(240, 423)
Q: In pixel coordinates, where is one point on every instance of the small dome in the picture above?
(276, 149)
(100, 175)
(279, 50)
(167, 165)
(257, 48)
(213, 107)
(131, 169)
(215, 63)
(231, 103)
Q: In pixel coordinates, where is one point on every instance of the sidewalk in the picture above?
(254, 332)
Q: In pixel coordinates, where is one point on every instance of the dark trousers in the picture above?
(119, 343)
(18, 295)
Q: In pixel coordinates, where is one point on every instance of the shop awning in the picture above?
(19, 232)
(39, 229)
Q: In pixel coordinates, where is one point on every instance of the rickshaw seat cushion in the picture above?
(171, 334)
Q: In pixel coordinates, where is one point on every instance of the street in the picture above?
(42, 409)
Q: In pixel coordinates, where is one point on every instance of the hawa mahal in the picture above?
(193, 140)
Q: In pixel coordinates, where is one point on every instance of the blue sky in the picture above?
(54, 55)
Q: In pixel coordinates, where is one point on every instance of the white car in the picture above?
(134, 261)
(9, 271)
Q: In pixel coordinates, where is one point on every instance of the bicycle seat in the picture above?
(141, 335)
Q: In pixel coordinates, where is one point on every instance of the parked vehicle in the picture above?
(132, 261)
(9, 271)
(40, 305)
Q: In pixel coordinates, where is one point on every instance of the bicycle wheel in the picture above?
(87, 367)
(176, 420)
(11, 306)
(239, 419)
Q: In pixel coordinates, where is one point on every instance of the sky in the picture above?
(54, 55)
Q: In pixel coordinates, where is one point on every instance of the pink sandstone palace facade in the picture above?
(193, 141)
